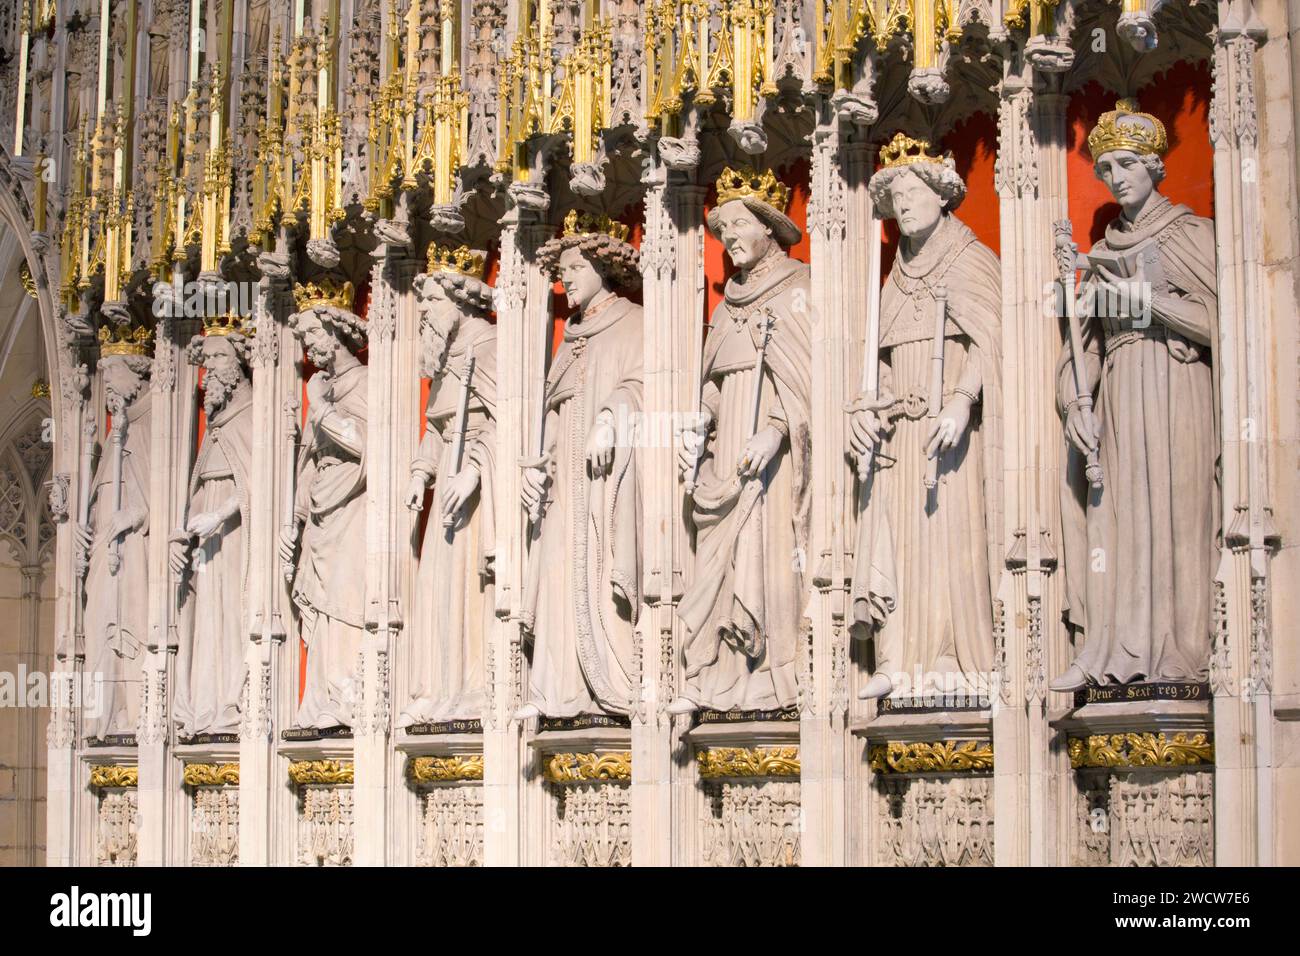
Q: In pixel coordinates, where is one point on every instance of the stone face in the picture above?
(654, 474)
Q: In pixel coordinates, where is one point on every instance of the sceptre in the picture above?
(117, 440)
(1067, 262)
(936, 378)
(697, 350)
(871, 360)
(115, 632)
(765, 335)
(290, 522)
(88, 431)
(462, 425)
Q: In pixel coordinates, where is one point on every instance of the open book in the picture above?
(1142, 262)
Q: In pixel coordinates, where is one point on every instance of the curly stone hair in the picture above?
(613, 258)
(467, 292)
(942, 178)
(349, 326)
(242, 344)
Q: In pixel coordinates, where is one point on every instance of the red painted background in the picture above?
(1180, 98)
(717, 266)
(633, 218)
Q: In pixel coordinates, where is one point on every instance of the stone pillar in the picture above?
(523, 308)
(672, 266)
(1241, 662)
(393, 353)
(173, 383)
(1031, 643)
(61, 804)
(273, 430)
(29, 657)
(839, 217)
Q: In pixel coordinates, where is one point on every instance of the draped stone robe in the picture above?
(453, 604)
(329, 587)
(116, 621)
(1139, 556)
(214, 620)
(926, 563)
(744, 607)
(583, 593)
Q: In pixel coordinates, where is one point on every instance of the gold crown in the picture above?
(226, 324)
(584, 223)
(746, 181)
(328, 292)
(125, 339)
(462, 259)
(1127, 127)
(902, 150)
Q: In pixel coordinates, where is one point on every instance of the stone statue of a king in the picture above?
(116, 537)
(1139, 550)
(583, 492)
(928, 554)
(453, 604)
(329, 512)
(746, 461)
(214, 574)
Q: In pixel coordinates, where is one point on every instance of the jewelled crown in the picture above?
(328, 292)
(1127, 127)
(580, 223)
(903, 150)
(462, 260)
(128, 339)
(228, 324)
(746, 181)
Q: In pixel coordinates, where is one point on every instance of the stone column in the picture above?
(672, 266)
(390, 421)
(61, 804)
(1241, 663)
(29, 656)
(838, 219)
(173, 383)
(1032, 190)
(523, 309)
(273, 429)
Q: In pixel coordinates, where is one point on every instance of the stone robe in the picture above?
(214, 612)
(583, 593)
(329, 587)
(744, 607)
(116, 621)
(1139, 556)
(453, 604)
(927, 562)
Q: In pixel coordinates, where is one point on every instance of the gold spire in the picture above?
(746, 181)
(1127, 127)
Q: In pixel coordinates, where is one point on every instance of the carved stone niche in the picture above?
(449, 829)
(117, 814)
(586, 778)
(929, 788)
(324, 831)
(213, 790)
(750, 814)
(1143, 799)
(1144, 783)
